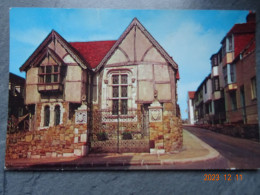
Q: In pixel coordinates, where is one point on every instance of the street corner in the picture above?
(195, 150)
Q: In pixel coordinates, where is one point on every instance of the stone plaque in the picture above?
(81, 115)
(155, 112)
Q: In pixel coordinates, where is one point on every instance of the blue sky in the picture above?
(189, 36)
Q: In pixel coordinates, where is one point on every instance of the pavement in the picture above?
(239, 152)
(194, 151)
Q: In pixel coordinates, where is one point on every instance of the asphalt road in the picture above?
(240, 153)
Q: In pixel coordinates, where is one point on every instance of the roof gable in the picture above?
(51, 38)
(47, 52)
(135, 22)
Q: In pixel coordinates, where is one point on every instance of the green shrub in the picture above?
(102, 136)
(127, 135)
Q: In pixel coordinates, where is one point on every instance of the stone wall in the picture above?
(173, 139)
(58, 141)
(166, 135)
(247, 131)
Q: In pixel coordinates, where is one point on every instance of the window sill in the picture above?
(120, 116)
(43, 87)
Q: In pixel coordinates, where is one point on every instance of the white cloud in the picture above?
(191, 46)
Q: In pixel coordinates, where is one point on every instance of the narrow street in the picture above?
(241, 153)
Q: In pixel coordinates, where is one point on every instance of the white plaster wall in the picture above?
(142, 44)
(154, 56)
(164, 91)
(32, 95)
(117, 57)
(145, 71)
(191, 111)
(161, 73)
(68, 59)
(73, 91)
(74, 73)
(146, 91)
(128, 44)
(32, 76)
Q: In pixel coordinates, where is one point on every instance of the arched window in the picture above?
(46, 115)
(57, 115)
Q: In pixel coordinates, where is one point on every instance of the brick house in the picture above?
(242, 103)
(233, 78)
(111, 88)
(236, 45)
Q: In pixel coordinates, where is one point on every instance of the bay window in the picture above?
(49, 74)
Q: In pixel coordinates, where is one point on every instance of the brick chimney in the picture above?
(250, 17)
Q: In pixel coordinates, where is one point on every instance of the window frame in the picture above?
(47, 114)
(119, 98)
(44, 74)
(215, 83)
(233, 100)
(232, 73)
(57, 114)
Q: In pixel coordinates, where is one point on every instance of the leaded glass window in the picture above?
(123, 79)
(49, 74)
(123, 106)
(115, 107)
(115, 79)
(57, 115)
(46, 116)
(124, 91)
(115, 91)
(119, 94)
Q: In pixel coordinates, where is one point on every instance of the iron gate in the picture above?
(119, 133)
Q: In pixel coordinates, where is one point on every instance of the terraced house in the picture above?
(112, 95)
(233, 77)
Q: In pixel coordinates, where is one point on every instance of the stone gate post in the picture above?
(156, 128)
(81, 120)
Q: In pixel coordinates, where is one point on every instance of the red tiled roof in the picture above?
(243, 28)
(94, 51)
(250, 47)
(191, 94)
